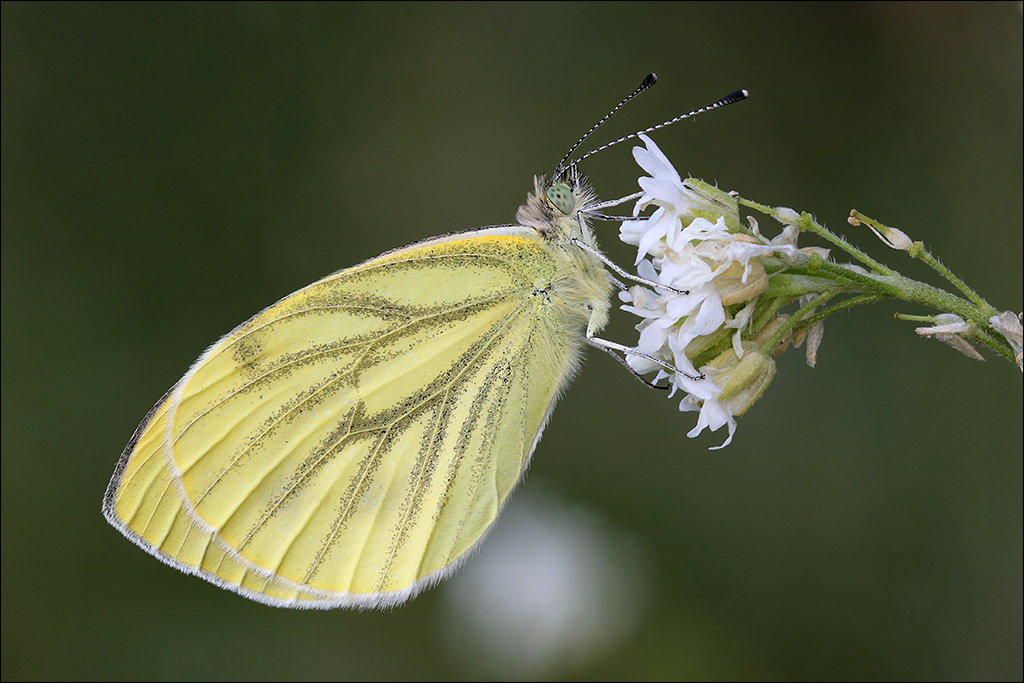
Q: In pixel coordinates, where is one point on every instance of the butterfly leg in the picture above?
(613, 349)
(629, 276)
(622, 361)
(614, 202)
(596, 211)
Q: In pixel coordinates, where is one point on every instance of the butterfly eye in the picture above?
(562, 197)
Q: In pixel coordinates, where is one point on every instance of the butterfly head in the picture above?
(557, 203)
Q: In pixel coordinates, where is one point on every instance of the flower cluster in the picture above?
(712, 291)
(710, 275)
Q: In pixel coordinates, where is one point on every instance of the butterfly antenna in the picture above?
(731, 98)
(650, 80)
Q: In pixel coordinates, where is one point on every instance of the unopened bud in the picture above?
(742, 380)
(731, 285)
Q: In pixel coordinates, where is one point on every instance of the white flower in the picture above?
(678, 203)
(1008, 324)
(953, 330)
(743, 378)
(687, 245)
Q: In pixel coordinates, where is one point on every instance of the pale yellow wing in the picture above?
(351, 443)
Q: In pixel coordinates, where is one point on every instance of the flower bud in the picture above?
(707, 201)
(769, 330)
(734, 288)
(892, 237)
(786, 216)
(742, 380)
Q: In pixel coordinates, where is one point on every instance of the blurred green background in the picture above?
(169, 170)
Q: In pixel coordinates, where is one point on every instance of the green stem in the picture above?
(764, 312)
(894, 286)
(994, 343)
(936, 265)
(918, 251)
(835, 308)
(792, 285)
(807, 223)
(804, 274)
(794, 319)
(916, 318)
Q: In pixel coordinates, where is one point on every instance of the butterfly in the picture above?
(351, 444)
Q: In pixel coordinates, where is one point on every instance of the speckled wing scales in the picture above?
(349, 444)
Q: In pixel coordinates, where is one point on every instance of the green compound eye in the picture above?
(561, 196)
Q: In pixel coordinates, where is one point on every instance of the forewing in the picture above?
(351, 443)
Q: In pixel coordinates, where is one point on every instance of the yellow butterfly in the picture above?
(350, 445)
